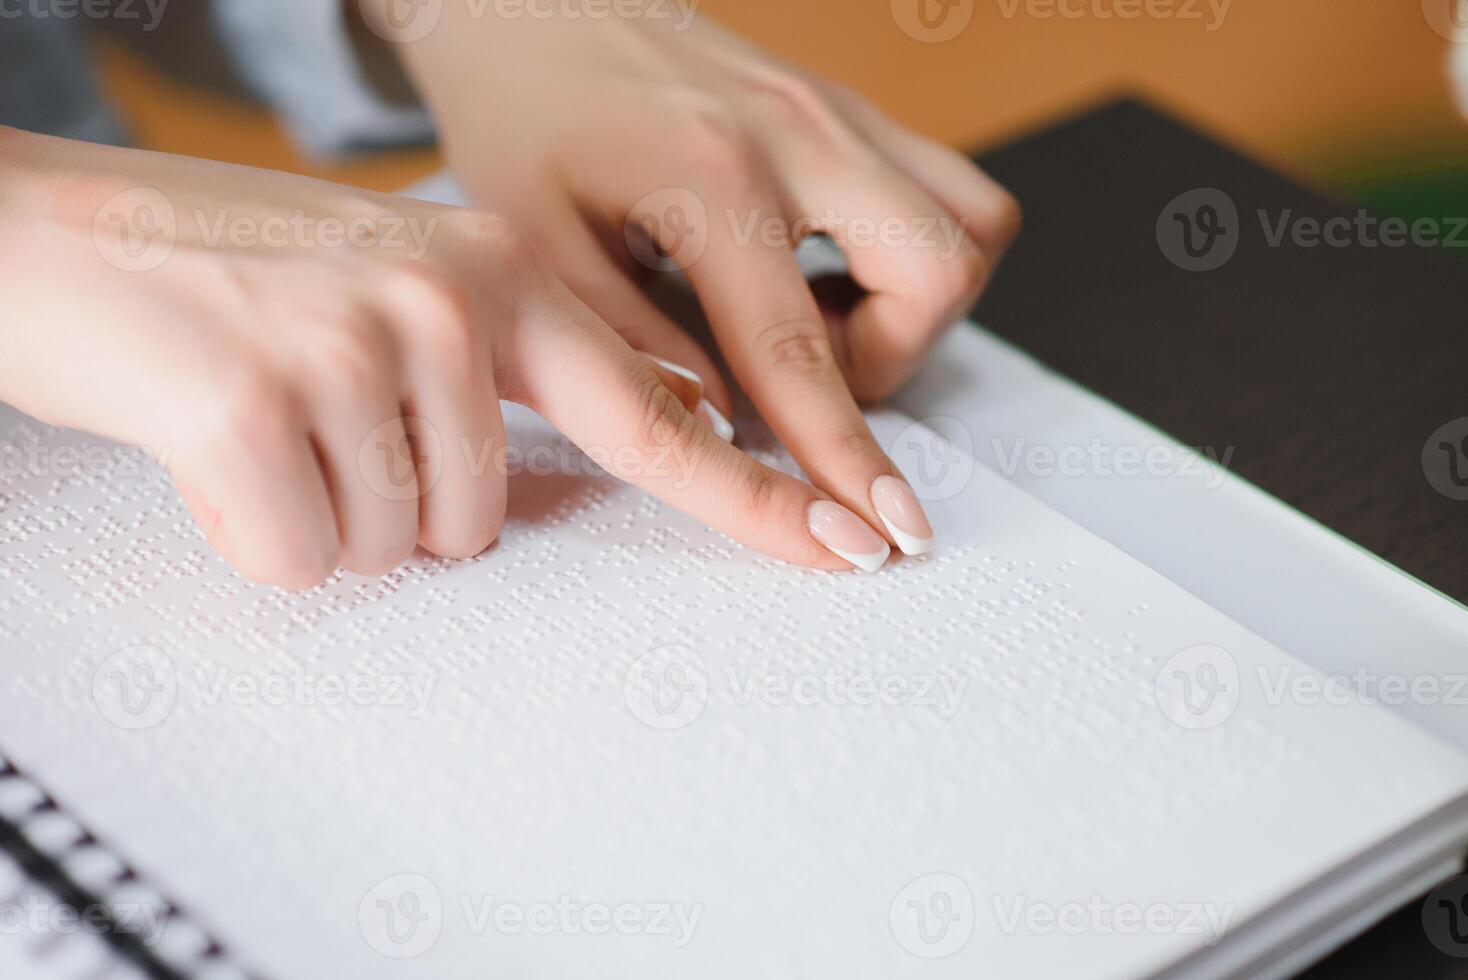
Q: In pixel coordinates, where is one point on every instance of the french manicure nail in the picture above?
(846, 535)
(677, 369)
(722, 427)
(900, 511)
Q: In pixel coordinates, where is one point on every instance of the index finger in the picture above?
(771, 331)
(607, 398)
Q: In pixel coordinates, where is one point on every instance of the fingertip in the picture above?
(684, 382)
(902, 514)
(294, 576)
(692, 375)
(1000, 217)
(843, 533)
(464, 544)
(716, 421)
(376, 565)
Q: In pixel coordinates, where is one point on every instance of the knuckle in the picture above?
(663, 421)
(715, 141)
(441, 311)
(485, 228)
(513, 249)
(256, 406)
(962, 274)
(761, 491)
(495, 238)
(855, 439)
(427, 291)
(796, 345)
(798, 100)
(500, 241)
(1006, 217)
(350, 358)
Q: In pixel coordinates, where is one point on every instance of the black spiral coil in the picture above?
(182, 951)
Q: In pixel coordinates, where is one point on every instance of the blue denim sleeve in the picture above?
(299, 57)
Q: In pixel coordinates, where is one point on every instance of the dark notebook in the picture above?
(1332, 369)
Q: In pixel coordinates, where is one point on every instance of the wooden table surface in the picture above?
(1313, 86)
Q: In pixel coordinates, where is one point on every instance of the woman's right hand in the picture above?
(320, 368)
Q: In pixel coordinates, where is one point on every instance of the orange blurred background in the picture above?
(1340, 92)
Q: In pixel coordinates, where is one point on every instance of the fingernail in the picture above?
(722, 427)
(846, 535)
(677, 369)
(900, 511)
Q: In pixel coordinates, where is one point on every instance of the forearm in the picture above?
(39, 245)
(61, 183)
(29, 179)
(36, 253)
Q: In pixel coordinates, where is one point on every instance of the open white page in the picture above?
(1181, 510)
(618, 745)
(1364, 623)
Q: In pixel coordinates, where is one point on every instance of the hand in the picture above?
(582, 127)
(321, 368)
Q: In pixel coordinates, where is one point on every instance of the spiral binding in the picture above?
(56, 853)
